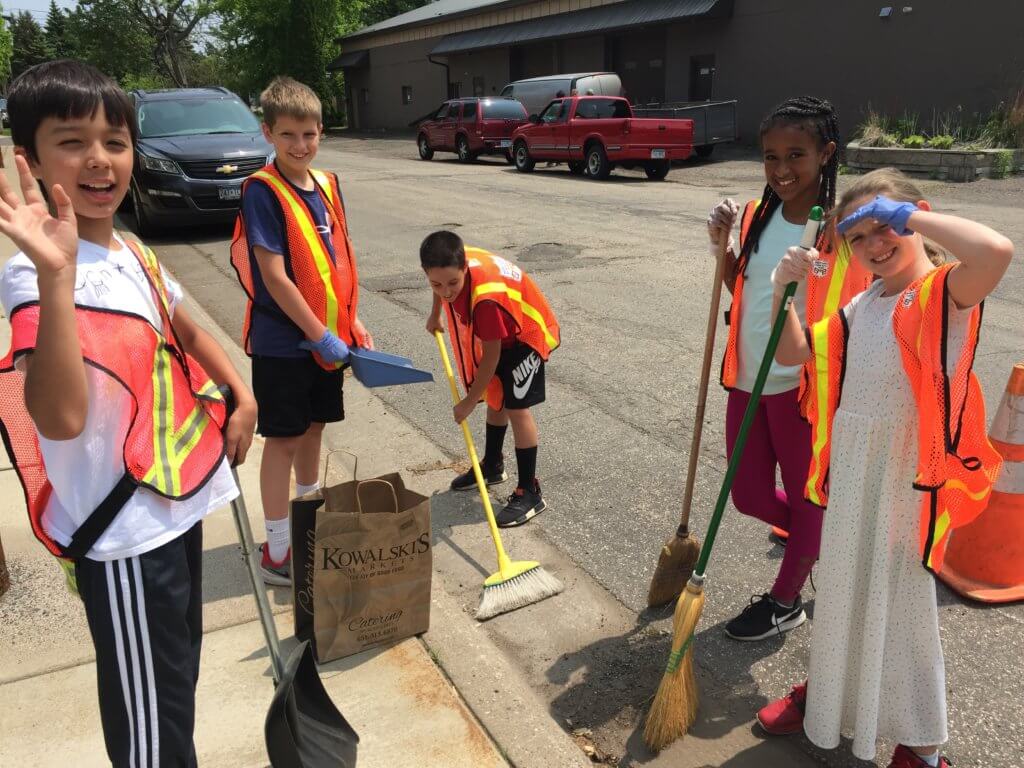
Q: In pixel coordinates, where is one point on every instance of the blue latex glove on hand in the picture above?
(885, 211)
(330, 348)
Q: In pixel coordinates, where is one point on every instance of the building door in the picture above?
(639, 59)
(702, 77)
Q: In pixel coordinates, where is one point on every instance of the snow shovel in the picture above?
(303, 728)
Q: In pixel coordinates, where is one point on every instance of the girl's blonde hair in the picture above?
(896, 186)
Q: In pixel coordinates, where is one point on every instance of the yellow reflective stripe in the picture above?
(322, 179)
(925, 294)
(819, 332)
(959, 485)
(210, 390)
(528, 309)
(941, 528)
(161, 474)
(185, 439)
(835, 286)
(316, 245)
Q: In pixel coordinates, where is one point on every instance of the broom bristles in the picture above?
(675, 566)
(674, 708)
(527, 588)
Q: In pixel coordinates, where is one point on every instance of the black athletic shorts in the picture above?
(293, 392)
(521, 374)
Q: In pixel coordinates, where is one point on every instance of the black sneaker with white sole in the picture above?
(765, 617)
(523, 505)
(467, 480)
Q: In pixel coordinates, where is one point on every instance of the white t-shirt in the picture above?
(756, 307)
(84, 469)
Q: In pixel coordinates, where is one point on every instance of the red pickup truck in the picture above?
(594, 134)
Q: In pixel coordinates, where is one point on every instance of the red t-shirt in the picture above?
(490, 321)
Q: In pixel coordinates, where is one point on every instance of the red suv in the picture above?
(471, 127)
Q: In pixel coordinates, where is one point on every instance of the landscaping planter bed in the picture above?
(947, 164)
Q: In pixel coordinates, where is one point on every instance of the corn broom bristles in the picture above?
(674, 708)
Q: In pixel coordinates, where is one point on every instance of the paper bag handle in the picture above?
(327, 464)
(360, 484)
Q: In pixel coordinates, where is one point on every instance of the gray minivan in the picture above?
(537, 92)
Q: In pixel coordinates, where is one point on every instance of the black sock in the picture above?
(526, 459)
(492, 449)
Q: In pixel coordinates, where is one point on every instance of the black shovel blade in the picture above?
(304, 729)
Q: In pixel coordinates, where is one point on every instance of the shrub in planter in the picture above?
(915, 141)
(1002, 164)
(944, 141)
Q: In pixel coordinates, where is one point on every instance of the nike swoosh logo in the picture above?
(518, 390)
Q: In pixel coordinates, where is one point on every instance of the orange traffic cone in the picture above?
(985, 560)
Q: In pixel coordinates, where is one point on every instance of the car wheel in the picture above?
(598, 166)
(462, 149)
(143, 224)
(704, 150)
(524, 163)
(658, 170)
(426, 153)
(577, 167)
(509, 157)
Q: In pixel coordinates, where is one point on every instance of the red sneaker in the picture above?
(786, 715)
(276, 574)
(905, 757)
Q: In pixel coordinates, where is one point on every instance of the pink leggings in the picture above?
(778, 437)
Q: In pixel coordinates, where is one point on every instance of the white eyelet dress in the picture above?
(876, 667)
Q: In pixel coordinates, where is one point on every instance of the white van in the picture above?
(537, 92)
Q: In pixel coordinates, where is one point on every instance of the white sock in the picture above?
(301, 489)
(932, 759)
(278, 535)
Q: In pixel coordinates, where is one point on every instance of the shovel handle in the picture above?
(702, 390)
(259, 591)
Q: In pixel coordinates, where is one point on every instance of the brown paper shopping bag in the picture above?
(361, 565)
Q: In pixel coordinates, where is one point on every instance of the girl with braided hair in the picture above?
(799, 139)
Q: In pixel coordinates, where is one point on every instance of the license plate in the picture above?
(229, 193)
(505, 143)
(657, 154)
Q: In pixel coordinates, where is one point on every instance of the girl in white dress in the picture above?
(876, 667)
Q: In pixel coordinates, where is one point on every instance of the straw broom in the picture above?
(678, 556)
(516, 584)
(674, 708)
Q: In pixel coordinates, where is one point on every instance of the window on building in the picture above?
(478, 86)
(364, 96)
(454, 90)
(406, 94)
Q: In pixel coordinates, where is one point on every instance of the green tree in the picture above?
(29, 46)
(172, 25)
(102, 33)
(6, 48)
(56, 33)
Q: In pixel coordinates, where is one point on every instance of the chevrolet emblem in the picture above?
(227, 168)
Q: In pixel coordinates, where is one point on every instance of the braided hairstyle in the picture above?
(812, 114)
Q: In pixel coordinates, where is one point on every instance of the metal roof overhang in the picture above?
(350, 60)
(637, 13)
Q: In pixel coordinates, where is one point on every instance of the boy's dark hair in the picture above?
(819, 117)
(64, 89)
(442, 249)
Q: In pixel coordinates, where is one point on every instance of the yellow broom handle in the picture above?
(503, 562)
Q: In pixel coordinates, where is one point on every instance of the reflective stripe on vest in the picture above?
(331, 295)
(492, 278)
(173, 443)
(957, 464)
(835, 279)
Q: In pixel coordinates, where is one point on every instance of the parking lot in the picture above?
(625, 265)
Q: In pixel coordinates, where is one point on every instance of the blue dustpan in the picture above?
(379, 369)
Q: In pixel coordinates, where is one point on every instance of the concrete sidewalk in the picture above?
(397, 699)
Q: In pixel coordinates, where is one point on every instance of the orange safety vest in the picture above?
(174, 442)
(492, 278)
(835, 279)
(957, 465)
(329, 286)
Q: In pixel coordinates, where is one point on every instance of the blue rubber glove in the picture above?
(882, 209)
(330, 348)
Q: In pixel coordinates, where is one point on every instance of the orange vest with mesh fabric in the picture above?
(834, 280)
(329, 286)
(492, 278)
(174, 442)
(957, 465)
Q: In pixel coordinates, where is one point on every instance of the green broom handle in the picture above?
(807, 242)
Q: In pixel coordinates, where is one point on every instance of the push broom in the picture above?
(674, 708)
(516, 584)
(678, 556)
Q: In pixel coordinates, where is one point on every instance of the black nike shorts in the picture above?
(521, 373)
